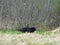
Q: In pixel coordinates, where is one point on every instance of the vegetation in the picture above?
(43, 15)
(10, 32)
(30, 38)
(18, 13)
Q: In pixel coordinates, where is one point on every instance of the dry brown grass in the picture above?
(30, 39)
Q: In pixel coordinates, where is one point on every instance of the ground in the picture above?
(31, 38)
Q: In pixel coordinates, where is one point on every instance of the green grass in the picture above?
(40, 31)
(10, 32)
(18, 32)
(26, 38)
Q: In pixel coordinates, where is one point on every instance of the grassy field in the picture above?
(36, 38)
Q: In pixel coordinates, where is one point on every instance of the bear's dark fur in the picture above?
(27, 29)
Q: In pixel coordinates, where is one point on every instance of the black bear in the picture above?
(27, 29)
(32, 29)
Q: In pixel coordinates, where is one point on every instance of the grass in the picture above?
(40, 31)
(37, 38)
(18, 32)
(10, 32)
(50, 43)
